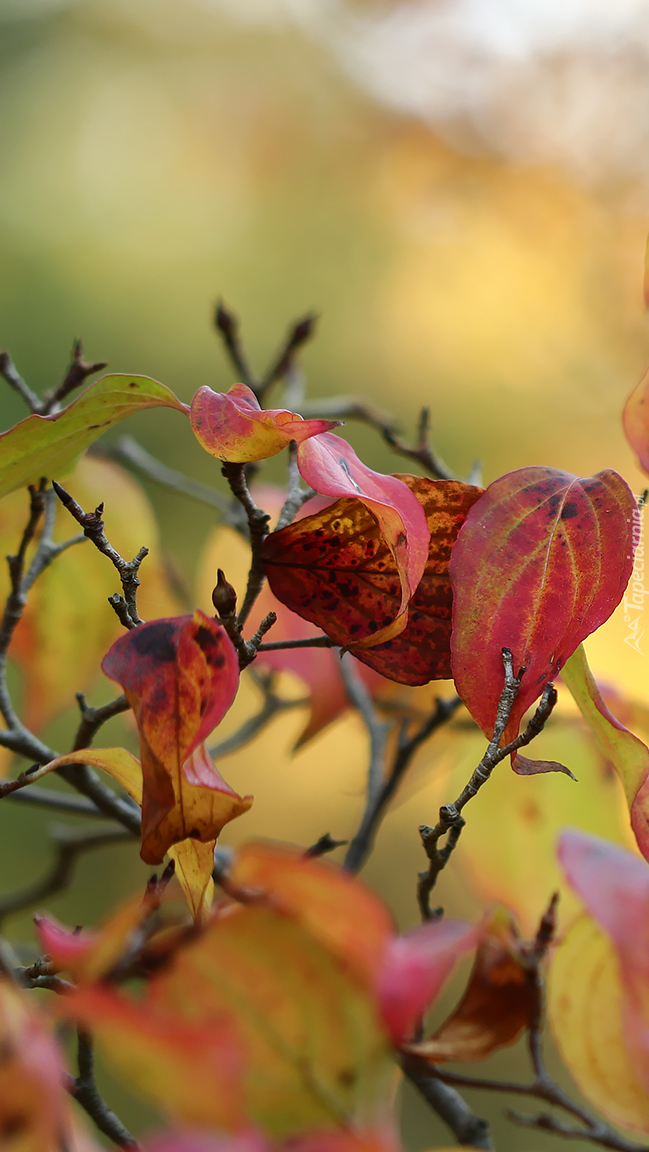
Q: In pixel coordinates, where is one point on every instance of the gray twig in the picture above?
(85, 1092)
(93, 527)
(227, 325)
(58, 801)
(466, 1126)
(76, 375)
(12, 376)
(93, 718)
(323, 846)
(128, 451)
(70, 843)
(258, 527)
(450, 818)
(310, 642)
(271, 706)
(296, 496)
(423, 453)
(298, 334)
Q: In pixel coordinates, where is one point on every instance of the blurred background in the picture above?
(460, 190)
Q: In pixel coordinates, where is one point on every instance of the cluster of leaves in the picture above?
(281, 1010)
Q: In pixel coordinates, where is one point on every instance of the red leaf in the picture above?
(414, 968)
(232, 425)
(541, 561)
(332, 467)
(180, 676)
(335, 569)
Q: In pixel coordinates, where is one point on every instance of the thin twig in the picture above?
(12, 376)
(450, 818)
(227, 325)
(299, 332)
(323, 846)
(422, 454)
(224, 599)
(70, 843)
(378, 731)
(76, 375)
(296, 496)
(58, 801)
(93, 528)
(310, 642)
(127, 451)
(93, 718)
(85, 1092)
(258, 527)
(467, 1128)
(272, 705)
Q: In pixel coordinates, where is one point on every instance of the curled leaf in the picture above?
(233, 426)
(523, 766)
(331, 466)
(51, 445)
(336, 569)
(497, 1005)
(180, 676)
(541, 561)
(626, 752)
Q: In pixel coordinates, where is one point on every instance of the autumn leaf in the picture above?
(313, 1052)
(234, 427)
(541, 561)
(336, 569)
(585, 1009)
(204, 800)
(614, 885)
(51, 445)
(55, 650)
(626, 752)
(497, 1005)
(318, 668)
(332, 468)
(180, 676)
(635, 420)
(34, 1113)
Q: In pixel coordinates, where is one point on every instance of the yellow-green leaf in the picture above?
(50, 445)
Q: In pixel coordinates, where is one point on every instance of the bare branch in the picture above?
(423, 454)
(310, 642)
(70, 843)
(12, 376)
(227, 325)
(296, 496)
(93, 528)
(258, 527)
(93, 718)
(450, 819)
(127, 451)
(299, 332)
(85, 1092)
(323, 846)
(76, 375)
(467, 1128)
(57, 801)
(272, 705)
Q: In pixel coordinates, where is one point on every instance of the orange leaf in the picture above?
(497, 1005)
(180, 676)
(336, 569)
(233, 426)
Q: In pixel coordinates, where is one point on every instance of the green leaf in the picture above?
(51, 445)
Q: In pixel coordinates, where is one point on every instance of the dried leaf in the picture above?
(51, 445)
(541, 561)
(523, 766)
(626, 752)
(585, 1006)
(336, 569)
(332, 467)
(497, 1005)
(233, 426)
(180, 676)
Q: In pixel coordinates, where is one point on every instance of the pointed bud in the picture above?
(224, 597)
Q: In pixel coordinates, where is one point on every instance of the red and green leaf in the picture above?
(541, 562)
(336, 569)
(234, 427)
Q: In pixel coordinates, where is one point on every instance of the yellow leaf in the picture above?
(585, 1005)
(194, 862)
